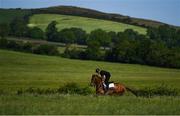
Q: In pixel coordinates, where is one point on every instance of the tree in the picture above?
(51, 32)
(80, 35)
(131, 34)
(177, 38)
(122, 51)
(72, 35)
(67, 36)
(36, 33)
(18, 27)
(153, 33)
(157, 54)
(164, 33)
(142, 48)
(93, 50)
(113, 36)
(101, 36)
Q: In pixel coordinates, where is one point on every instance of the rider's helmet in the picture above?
(97, 70)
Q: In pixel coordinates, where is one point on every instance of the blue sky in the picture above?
(167, 11)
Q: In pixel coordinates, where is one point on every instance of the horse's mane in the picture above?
(96, 75)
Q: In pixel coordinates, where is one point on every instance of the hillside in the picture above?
(88, 24)
(77, 11)
(9, 14)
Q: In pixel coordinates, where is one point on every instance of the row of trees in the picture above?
(160, 47)
(131, 47)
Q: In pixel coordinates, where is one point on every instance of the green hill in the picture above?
(8, 14)
(88, 24)
(85, 12)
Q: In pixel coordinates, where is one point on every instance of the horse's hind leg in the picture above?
(109, 92)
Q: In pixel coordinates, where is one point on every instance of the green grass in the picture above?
(23, 70)
(88, 24)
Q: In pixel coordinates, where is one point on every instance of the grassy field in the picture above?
(22, 70)
(88, 24)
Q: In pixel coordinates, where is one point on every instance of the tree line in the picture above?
(159, 47)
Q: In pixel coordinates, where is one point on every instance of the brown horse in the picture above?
(119, 89)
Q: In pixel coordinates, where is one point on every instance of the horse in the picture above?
(118, 88)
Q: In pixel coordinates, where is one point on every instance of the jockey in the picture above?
(105, 77)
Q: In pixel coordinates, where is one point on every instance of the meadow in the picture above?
(88, 24)
(23, 70)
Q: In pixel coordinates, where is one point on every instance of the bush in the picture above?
(3, 43)
(69, 88)
(72, 52)
(13, 45)
(73, 88)
(27, 47)
(46, 49)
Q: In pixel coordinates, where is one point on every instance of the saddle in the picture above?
(110, 85)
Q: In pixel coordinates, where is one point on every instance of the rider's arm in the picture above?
(103, 78)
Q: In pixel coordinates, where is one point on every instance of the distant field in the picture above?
(23, 70)
(88, 24)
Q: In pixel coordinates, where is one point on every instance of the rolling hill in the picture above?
(8, 14)
(84, 12)
(88, 24)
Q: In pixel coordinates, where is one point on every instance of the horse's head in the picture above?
(96, 79)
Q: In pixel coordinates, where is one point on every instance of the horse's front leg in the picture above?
(109, 92)
(100, 92)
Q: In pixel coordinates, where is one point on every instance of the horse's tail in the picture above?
(132, 91)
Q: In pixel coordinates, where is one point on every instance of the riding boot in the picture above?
(105, 87)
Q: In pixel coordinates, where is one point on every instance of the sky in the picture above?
(167, 11)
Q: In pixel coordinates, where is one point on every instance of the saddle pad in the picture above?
(111, 85)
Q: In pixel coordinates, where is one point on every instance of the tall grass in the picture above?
(76, 104)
